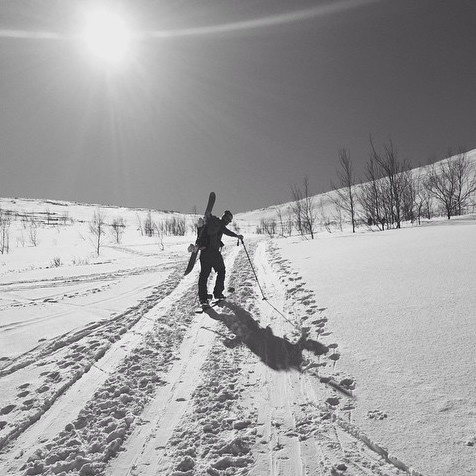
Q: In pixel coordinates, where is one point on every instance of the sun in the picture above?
(106, 36)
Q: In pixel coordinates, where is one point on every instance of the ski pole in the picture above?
(262, 293)
(254, 272)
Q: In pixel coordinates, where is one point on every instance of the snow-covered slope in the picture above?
(324, 204)
(359, 361)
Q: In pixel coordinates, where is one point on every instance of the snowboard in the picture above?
(208, 212)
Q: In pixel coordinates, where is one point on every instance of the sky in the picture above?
(244, 98)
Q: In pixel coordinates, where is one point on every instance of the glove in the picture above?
(240, 237)
(192, 248)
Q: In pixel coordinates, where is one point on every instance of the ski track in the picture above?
(256, 420)
(57, 300)
(146, 449)
(243, 389)
(50, 369)
(51, 283)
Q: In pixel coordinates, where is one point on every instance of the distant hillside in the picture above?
(325, 203)
(59, 211)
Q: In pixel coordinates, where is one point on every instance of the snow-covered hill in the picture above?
(324, 204)
(359, 361)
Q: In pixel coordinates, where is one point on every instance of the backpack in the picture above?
(208, 236)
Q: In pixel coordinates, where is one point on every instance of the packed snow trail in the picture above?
(42, 381)
(40, 310)
(238, 414)
(144, 453)
(237, 390)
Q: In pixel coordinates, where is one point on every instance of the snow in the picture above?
(401, 304)
(359, 361)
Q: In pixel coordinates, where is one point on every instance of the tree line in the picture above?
(390, 193)
(99, 227)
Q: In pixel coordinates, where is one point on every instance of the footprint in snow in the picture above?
(376, 415)
(55, 376)
(348, 383)
(65, 364)
(6, 410)
(333, 401)
(320, 321)
(27, 404)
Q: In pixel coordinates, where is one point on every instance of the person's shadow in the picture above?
(276, 352)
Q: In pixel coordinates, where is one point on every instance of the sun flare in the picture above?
(106, 36)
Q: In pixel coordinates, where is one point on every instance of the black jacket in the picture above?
(210, 235)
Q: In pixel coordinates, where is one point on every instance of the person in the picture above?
(210, 244)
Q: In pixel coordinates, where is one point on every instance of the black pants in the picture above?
(211, 259)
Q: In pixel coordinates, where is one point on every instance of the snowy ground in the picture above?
(355, 366)
(401, 305)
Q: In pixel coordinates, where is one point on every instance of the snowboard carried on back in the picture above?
(195, 249)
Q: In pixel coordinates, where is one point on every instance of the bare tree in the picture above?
(284, 221)
(267, 226)
(297, 209)
(452, 182)
(427, 201)
(160, 229)
(139, 222)
(118, 227)
(33, 232)
(149, 225)
(280, 219)
(441, 183)
(303, 208)
(21, 239)
(465, 182)
(338, 217)
(371, 195)
(176, 226)
(420, 195)
(325, 218)
(98, 229)
(409, 197)
(395, 179)
(5, 222)
(345, 199)
(388, 177)
(49, 216)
